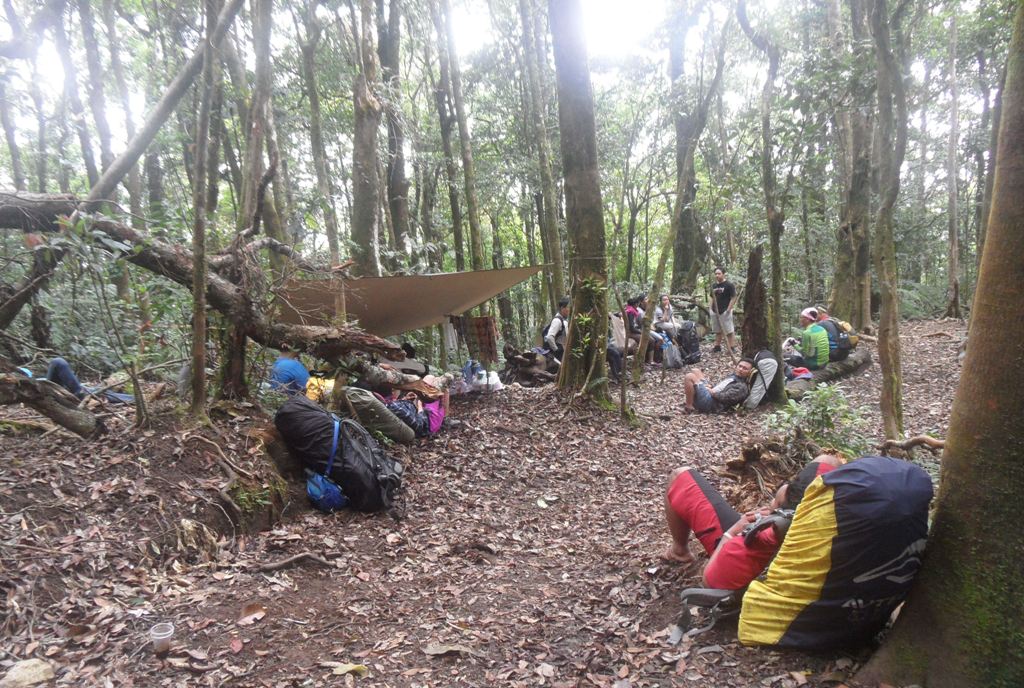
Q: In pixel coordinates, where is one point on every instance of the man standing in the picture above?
(723, 298)
(554, 333)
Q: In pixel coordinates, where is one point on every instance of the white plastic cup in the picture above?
(161, 635)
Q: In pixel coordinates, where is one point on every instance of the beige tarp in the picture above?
(389, 305)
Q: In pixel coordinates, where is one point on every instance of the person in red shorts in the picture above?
(693, 506)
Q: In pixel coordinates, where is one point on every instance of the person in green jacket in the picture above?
(813, 342)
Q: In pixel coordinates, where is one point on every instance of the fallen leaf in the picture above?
(251, 613)
(799, 676)
(342, 668)
(237, 645)
(545, 670)
(438, 649)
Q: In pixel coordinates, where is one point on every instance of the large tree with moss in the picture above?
(961, 626)
(584, 364)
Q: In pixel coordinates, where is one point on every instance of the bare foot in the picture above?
(689, 409)
(680, 555)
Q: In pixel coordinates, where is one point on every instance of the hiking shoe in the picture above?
(716, 350)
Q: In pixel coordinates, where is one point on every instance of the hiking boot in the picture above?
(716, 350)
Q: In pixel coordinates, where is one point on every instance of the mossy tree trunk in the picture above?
(587, 341)
(961, 625)
(775, 214)
(892, 138)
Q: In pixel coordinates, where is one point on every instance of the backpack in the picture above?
(544, 332)
(672, 358)
(367, 475)
(689, 342)
(846, 338)
(323, 492)
(766, 367)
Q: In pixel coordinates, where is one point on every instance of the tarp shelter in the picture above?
(389, 305)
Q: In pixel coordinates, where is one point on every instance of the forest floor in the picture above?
(529, 553)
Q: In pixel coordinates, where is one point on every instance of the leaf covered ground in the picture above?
(529, 553)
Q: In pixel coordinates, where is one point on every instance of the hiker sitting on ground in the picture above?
(813, 353)
(636, 307)
(288, 374)
(723, 298)
(59, 372)
(728, 393)
(554, 335)
(664, 318)
(693, 506)
(425, 418)
(831, 327)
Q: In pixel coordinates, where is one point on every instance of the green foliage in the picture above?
(825, 416)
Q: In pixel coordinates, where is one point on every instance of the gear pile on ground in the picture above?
(528, 555)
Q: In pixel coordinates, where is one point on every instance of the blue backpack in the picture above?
(323, 492)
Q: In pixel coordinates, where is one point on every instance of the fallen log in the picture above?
(833, 371)
(51, 400)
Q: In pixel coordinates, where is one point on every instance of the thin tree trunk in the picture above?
(442, 101)
(960, 626)
(476, 246)
(10, 132)
(892, 139)
(587, 340)
(389, 48)
(134, 181)
(97, 99)
(42, 161)
(548, 218)
(952, 186)
(323, 174)
(366, 181)
(776, 217)
(508, 325)
(198, 407)
(75, 103)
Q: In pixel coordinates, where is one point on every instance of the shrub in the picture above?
(825, 416)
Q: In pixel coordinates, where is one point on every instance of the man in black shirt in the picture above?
(723, 298)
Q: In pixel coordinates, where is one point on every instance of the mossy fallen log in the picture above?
(835, 370)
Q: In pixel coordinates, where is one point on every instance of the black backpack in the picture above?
(368, 476)
(838, 336)
(689, 342)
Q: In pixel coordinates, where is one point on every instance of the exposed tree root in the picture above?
(292, 561)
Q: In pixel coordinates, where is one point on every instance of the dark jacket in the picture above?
(734, 393)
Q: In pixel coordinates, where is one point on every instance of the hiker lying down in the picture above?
(731, 391)
(693, 506)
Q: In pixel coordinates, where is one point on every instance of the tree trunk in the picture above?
(986, 210)
(17, 171)
(952, 186)
(776, 217)
(755, 306)
(316, 137)
(74, 102)
(199, 192)
(365, 179)
(586, 344)
(97, 99)
(892, 140)
(476, 247)
(548, 217)
(50, 400)
(134, 182)
(851, 286)
(42, 161)
(960, 626)
(689, 246)
(390, 38)
(508, 325)
(442, 100)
